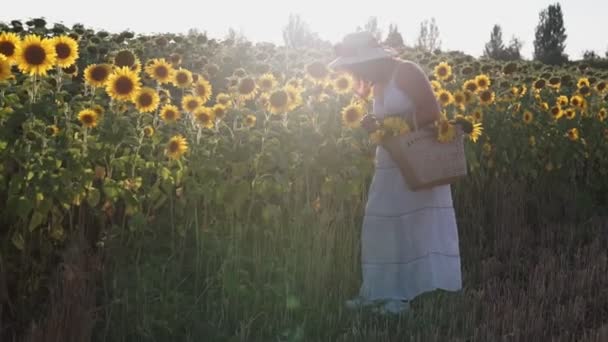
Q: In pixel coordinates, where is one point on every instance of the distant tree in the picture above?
(297, 34)
(590, 55)
(495, 48)
(550, 38)
(372, 27)
(514, 49)
(394, 38)
(428, 38)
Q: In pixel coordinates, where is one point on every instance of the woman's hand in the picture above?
(369, 123)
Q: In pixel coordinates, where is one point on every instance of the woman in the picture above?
(409, 240)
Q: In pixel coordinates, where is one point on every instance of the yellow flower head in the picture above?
(486, 97)
(446, 131)
(123, 84)
(483, 82)
(444, 97)
(146, 100)
(246, 88)
(278, 101)
(436, 86)
(573, 134)
(202, 88)
(577, 101)
(219, 111)
(563, 101)
(160, 70)
(583, 82)
(343, 84)
(295, 97)
(66, 49)
(377, 136)
(443, 71)
(88, 118)
(9, 42)
(177, 147)
(36, 56)
(395, 125)
(148, 131)
(352, 114)
(170, 113)
(557, 112)
(602, 114)
(190, 103)
(250, 120)
(267, 82)
(182, 78)
(96, 75)
(5, 68)
(570, 113)
(205, 117)
(470, 86)
(223, 99)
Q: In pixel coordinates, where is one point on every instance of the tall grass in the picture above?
(286, 279)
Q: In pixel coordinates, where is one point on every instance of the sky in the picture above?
(464, 25)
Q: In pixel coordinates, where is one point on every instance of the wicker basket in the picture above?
(424, 161)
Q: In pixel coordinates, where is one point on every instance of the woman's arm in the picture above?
(413, 81)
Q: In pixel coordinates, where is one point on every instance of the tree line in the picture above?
(549, 39)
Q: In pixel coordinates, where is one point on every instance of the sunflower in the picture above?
(600, 87)
(5, 68)
(35, 56)
(584, 90)
(123, 84)
(182, 78)
(483, 82)
(563, 101)
(202, 88)
(126, 58)
(352, 114)
(295, 97)
(460, 99)
(317, 71)
(177, 147)
(169, 113)
(436, 86)
(148, 131)
(343, 84)
(583, 82)
(52, 130)
(88, 118)
(555, 82)
(570, 113)
(446, 132)
(477, 115)
(444, 97)
(395, 125)
(557, 112)
(219, 111)
(470, 86)
(443, 71)
(160, 70)
(190, 103)
(246, 88)
(377, 136)
(487, 97)
(602, 115)
(266, 82)
(9, 42)
(573, 134)
(250, 120)
(278, 101)
(577, 101)
(66, 49)
(204, 116)
(539, 84)
(96, 75)
(528, 117)
(146, 100)
(223, 99)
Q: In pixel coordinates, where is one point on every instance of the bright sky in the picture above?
(464, 24)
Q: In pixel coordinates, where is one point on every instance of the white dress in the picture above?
(409, 240)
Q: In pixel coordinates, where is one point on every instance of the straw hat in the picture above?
(357, 48)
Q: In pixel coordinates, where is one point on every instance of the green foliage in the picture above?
(550, 36)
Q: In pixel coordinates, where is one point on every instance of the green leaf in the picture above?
(18, 241)
(93, 197)
(36, 220)
(111, 189)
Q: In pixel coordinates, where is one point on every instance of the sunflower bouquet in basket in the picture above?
(390, 126)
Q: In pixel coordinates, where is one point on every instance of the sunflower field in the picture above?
(177, 187)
